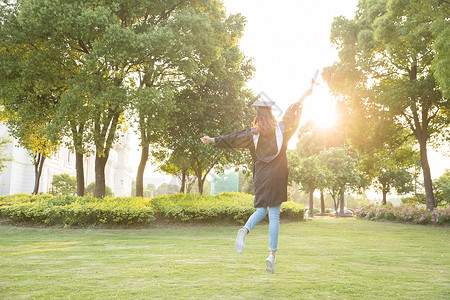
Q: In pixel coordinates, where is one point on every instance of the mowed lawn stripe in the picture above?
(322, 258)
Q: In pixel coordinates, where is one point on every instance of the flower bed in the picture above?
(406, 213)
(86, 211)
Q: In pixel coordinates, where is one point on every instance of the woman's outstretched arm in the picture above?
(240, 139)
(291, 118)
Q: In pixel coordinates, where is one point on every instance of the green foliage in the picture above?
(86, 211)
(177, 166)
(306, 171)
(442, 189)
(389, 172)
(206, 187)
(29, 91)
(440, 26)
(217, 106)
(401, 180)
(31, 85)
(64, 184)
(354, 202)
(236, 207)
(312, 138)
(195, 207)
(3, 158)
(149, 190)
(91, 187)
(75, 68)
(246, 183)
(339, 172)
(392, 55)
(292, 211)
(167, 189)
(415, 199)
(76, 211)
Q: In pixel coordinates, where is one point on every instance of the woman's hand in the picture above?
(207, 140)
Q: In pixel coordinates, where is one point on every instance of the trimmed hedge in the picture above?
(88, 211)
(76, 211)
(236, 207)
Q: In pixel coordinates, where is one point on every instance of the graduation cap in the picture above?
(263, 103)
(263, 107)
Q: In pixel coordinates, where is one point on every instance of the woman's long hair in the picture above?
(264, 122)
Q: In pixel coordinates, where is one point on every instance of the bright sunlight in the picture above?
(321, 109)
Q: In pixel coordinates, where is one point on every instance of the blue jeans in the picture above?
(274, 223)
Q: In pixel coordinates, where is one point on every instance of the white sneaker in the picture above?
(240, 241)
(270, 264)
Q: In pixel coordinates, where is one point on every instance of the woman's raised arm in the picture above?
(240, 139)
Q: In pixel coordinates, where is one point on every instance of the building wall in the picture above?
(63, 161)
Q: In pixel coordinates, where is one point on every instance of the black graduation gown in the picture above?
(270, 178)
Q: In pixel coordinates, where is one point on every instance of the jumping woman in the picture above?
(267, 142)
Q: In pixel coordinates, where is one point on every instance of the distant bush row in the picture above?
(131, 211)
(405, 213)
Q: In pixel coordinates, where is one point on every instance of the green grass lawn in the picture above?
(319, 259)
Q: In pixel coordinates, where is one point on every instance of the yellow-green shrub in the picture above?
(76, 211)
(85, 211)
(236, 207)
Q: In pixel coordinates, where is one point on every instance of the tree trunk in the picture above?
(322, 202)
(342, 203)
(183, 180)
(100, 164)
(384, 191)
(336, 203)
(198, 173)
(429, 197)
(77, 133)
(200, 185)
(80, 173)
(421, 133)
(140, 172)
(311, 203)
(189, 186)
(38, 164)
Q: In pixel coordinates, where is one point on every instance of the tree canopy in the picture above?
(85, 64)
(387, 54)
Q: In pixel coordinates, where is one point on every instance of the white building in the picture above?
(18, 175)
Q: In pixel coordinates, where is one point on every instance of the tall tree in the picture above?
(440, 26)
(385, 66)
(177, 165)
(58, 35)
(31, 86)
(217, 107)
(307, 172)
(390, 168)
(185, 37)
(312, 139)
(340, 174)
(107, 43)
